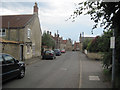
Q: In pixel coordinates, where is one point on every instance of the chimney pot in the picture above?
(35, 9)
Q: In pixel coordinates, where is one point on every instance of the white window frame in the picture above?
(1, 32)
(28, 33)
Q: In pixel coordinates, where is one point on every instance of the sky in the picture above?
(53, 15)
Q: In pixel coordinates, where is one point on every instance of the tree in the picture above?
(47, 40)
(107, 12)
(85, 43)
(93, 45)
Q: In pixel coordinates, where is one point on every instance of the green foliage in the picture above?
(102, 44)
(107, 12)
(85, 43)
(93, 45)
(47, 40)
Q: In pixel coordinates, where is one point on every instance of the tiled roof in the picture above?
(15, 21)
(8, 41)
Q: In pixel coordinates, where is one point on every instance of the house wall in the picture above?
(62, 46)
(15, 35)
(68, 46)
(35, 38)
(12, 49)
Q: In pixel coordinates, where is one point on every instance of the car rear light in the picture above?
(51, 54)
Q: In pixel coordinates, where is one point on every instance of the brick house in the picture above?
(77, 46)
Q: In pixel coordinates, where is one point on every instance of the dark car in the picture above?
(48, 54)
(57, 52)
(11, 67)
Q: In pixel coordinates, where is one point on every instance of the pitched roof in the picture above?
(8, 41)
(15, 21)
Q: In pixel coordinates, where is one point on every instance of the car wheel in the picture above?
(22, 73)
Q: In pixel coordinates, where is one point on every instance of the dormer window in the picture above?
(28, 32)
(2, 32)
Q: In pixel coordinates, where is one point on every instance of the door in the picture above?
(21, 52)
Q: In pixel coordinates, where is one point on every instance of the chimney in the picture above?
(55, 35)
(35, 9)
(47, 32)
(50, 33)
(58, 35)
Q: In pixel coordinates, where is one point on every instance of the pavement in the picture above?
(32, 60)
(91, 73)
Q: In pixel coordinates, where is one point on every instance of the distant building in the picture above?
(63, 44)
(57, 39)
(77, 46)
(25, 33)
(68, 45)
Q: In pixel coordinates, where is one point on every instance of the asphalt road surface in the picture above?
(70, 70)
(63, 72)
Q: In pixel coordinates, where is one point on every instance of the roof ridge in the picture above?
(18, 15)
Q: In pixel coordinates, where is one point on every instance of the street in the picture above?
(70, 70)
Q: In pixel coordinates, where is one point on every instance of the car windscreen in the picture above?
(47, 51)
(56, 50)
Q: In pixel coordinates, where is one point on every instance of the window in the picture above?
(2, 32)
(28, 33)
(1, 59)
(8, 59)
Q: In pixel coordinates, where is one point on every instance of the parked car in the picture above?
(11, 67)
(63, 51)
(57, 52)
(48, 54)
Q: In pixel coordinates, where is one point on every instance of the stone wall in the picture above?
(12, 49)
(95, 56)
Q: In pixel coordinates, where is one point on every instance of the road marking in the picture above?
(80, 81)
(94, 78)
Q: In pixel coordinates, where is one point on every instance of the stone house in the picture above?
(57, 39)
(68, 45)
(25, 29)
(63, 44)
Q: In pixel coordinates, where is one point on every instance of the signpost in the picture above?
(112, 42)
(112, 46)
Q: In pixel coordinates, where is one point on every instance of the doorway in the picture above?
(21, 52)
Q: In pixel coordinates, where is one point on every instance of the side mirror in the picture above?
(16, 61)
